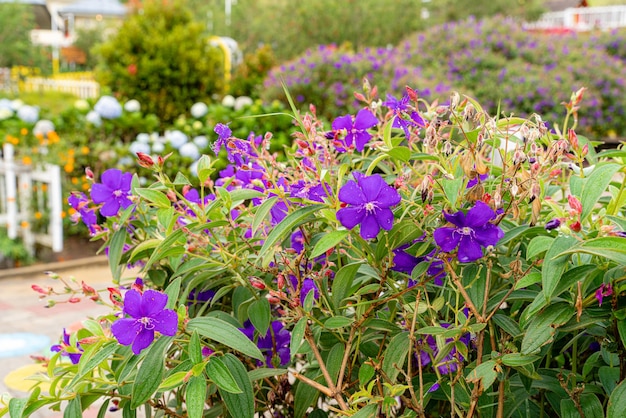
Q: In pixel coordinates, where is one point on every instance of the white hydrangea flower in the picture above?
(43, 127)
(189, 150)
(93, 117)
(199, 109)
(28, 114)
(143, 138)
(243, 101)
(158, 147)
(125, 162)
(137, 146)
(132, 106)
(108, 107)
(193, 168)
(5, 113)
(201, 141)
(228, 101)
(16, 104)
(176, 138)
(81, 104)
(6, 104)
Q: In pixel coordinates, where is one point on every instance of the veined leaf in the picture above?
(225, 333)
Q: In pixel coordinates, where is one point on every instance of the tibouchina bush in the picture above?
(406, 259)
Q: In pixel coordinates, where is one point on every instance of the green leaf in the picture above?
(150, 373)
(537, 246)
(91, 359)
(73, 409)
(485, 373)
(221, 376)
(238, 404)
(338, 322)
(366, 372)
(543, 326)
(528, 280)
(368, 411)
(329, 241)
(155, 197)
(264, 372)
(284, 228)
(612, 248)
(555, 264)
(261, 213)
(17, 406)
(395, 355)
(195, 348)
(116, 248)
(172, 244)
(507, 324)
(204, 169)
(172, 292)
(451, 188)
(609, 377)
(195, 396)
(518, 359)
(259, 313)
(297, 335)
(334, 360)
(172, 381)
(343, 282)
(401, 153)
(181, 180)
(589, 403)
(239, 195)
(595, 186)
(225, 333)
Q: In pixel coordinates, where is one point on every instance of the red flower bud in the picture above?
(73, 299)
(145, 160)
(575, 204)
(41, 290)
(256, 283)
(89, 174)
(132, 69)
(575, 226)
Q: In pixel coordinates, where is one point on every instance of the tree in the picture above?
(16, 21)
(161, 57)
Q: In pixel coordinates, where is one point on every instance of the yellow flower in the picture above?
(74, 180)
(44, 187)
(63, 214)
(24, 224)
(85, 150)
(24, 131)
(38, 215)
(27, 160)
(85, 186)
(71, 211)
(68, 168)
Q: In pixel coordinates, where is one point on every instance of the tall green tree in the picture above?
(163, 58)
(16, 22)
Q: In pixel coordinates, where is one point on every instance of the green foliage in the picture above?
(16, 22)
(162, 58)
(248, 76)
(86, 40)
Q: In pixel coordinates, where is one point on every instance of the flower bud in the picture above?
(256, 283)
(145, 160)
(74, 299)
(553, 224)
(573, 139)
(89, 174)
(575, 204)
(575, 226)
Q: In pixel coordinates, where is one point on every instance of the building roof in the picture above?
(95, 7)
(558, 5)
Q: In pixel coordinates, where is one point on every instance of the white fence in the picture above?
(583, 19)
(25, 191)
(84, 89)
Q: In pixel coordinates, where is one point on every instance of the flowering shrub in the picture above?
(411, 271)
(495, 59)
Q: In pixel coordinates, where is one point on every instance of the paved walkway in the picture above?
(28, 328)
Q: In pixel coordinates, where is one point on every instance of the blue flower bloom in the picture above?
(108, 107)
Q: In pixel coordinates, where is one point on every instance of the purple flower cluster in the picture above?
(274, 344)
(67, 349)
(80, 203)
(427, 351)
(113, 192)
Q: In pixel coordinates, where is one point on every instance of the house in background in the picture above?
(580, 16)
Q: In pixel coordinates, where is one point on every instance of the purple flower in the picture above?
(370, 199)
(470, 232)
(553, 224)
(473, 182)
(308, 285)
(356, 131)
(405, 263)
(603, 291)
(147, 314)
(274, 344)
(428, 350)
(80, 203)
(404, 116)
(67, 349)
(114, 191)
(224, 133)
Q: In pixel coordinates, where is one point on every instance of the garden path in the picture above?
(29, 328)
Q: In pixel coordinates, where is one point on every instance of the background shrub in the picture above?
(162, 58)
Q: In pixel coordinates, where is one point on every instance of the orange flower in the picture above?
(38, 215)
(27, 160)
(24, 131)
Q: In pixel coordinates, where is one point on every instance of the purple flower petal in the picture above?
(112, 178)
(488, 235)
(371, 186)
(342, 122)
(369, 227)
(110, 208)
(469, 250)
(457, 219)
(388, 196)
(479, 215)
(125, 330)
(352, 194)
(350, 216)
(385, 218)
(132, 304)
(100, 193)
(365, 120)
(360, 139)
(447, 238)
(152, 302)
(166, 322)
(143, 340)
